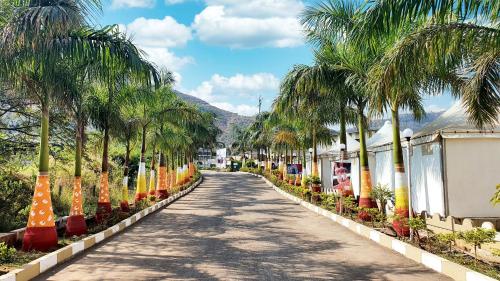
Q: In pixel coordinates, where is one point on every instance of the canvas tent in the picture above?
(455, 166)
(381, 164)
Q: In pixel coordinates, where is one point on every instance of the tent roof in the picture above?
(454, 123)
(381, 137)
(352, 145)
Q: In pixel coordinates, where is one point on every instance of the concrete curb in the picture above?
(439, 264)
(42, 264)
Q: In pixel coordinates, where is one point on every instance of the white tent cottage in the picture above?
(455, 167)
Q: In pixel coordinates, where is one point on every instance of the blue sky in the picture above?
(226, 52)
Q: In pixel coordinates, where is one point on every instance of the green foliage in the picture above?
(382, 194)
(496, 252)
(15, 201)
(496, 197)
(447, 238)
(315, 180)
(7, 254)
(417, 223)
(349, 205)
(328, 202)
(477, 237)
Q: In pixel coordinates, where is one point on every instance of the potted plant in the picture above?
(315, 184)
(306, 194)
(291, 179)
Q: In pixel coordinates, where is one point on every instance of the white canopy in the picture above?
(381, 137)
(454, 123)
(351, 143)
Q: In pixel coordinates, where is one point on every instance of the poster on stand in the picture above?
(294, 169)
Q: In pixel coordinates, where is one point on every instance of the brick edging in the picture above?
(42, 264)
(437, 263)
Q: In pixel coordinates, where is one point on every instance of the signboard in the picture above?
(342, 181)
(294, 169)
(221, 158)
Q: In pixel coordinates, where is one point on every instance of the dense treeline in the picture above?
(96, 112)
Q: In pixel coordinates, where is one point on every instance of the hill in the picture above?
(225, 119)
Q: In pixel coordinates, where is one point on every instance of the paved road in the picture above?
(234, 227)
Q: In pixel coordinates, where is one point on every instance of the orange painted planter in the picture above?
(75, 225)
(103, 205)
(40, 232)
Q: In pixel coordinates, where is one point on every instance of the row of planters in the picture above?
(13, 257)
(459, 247)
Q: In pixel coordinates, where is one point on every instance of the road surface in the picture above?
(234, 227)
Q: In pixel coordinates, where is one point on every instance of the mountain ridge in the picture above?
(224, 119)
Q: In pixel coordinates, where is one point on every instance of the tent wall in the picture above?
(326, 172)
(472, 172)
(427, 182)
(355, 175)
(384, 169)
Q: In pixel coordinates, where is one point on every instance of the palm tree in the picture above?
(303, 93)
(339, 21)
(40, 36)
(73, 84)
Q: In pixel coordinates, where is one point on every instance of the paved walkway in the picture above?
(234, 227)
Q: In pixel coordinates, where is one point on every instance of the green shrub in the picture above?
(496, 197)
(315, 180)
(382, 194)
(416, 224)
(7, 254)
(447, 238)
(477, 237)
(349, 205)
(15, 201)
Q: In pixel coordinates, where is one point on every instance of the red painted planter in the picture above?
(103, 210)
(40, 238)
(400, 227)
(140, 196)
(316, 188)
(76, 226)
(162, 194)
(124, 207)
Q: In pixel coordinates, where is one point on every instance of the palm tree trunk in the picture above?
(41, 232)
(304, 164)
(152, 178)
(400, 181)
(315, 172)
(75, 225)
(365, 198)
(124, 203)
(161, 190)
(104, 204)
(141, 191)
(343, 133)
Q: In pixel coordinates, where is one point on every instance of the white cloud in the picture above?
(242, 109)
(220, 89)
(164, 58)
(250, 24)
(117, 4)
(166, 32)
(156, 36)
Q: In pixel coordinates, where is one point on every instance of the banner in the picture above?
(294, 169)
